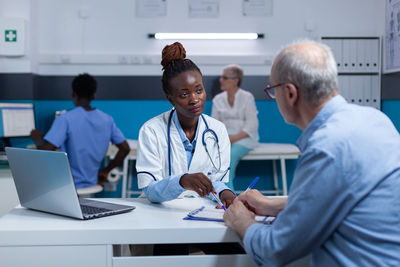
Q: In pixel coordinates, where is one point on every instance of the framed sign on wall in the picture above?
(391, 55)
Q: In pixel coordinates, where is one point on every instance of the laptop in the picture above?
(44, 182)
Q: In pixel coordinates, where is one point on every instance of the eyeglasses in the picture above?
(227, 78)
(270, 90)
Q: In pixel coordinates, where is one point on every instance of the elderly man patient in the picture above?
(344, 202)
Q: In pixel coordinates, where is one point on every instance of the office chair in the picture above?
(89, 191)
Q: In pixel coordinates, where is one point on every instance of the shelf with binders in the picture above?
(358, 63)
(355, 54)
(361, 89)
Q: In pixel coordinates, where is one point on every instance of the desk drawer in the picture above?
(192, 261)
(60, 256)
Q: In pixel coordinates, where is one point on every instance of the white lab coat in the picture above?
(152, 153)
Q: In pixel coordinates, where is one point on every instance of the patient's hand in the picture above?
(262, 205)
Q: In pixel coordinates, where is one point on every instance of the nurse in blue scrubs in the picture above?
(84, 133)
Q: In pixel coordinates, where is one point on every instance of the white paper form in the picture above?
(392, 36)
(213, 214)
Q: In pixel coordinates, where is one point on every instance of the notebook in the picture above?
(44, 182)
(216, 215)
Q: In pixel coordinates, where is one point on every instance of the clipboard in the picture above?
(216, 215)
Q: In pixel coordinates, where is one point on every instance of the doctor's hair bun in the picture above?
(172, 52)
(174, 63)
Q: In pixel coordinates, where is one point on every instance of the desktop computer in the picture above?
(16, 120)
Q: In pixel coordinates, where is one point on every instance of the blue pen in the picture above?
(214, 194)
(252, 184)
(196, 211)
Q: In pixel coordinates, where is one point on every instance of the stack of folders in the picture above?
(216, 215)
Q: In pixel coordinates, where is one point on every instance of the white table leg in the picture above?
(275, 177)
(284, 182)
(124, 177)
(130, 176)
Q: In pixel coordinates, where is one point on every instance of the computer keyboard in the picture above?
(92, 210)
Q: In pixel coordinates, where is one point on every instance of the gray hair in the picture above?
(312, 71)
(236, 71)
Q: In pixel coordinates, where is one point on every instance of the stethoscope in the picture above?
(203, 140)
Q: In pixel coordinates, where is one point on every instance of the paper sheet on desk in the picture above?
(216, 215)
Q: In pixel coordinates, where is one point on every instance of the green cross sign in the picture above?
(10, 35)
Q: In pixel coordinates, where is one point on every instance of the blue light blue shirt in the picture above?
(344, 202)
(189, 147)
(169, 188)
(85, 137)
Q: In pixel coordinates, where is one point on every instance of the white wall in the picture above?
(109, 38)
(17, 9)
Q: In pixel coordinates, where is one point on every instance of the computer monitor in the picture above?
(16, 120)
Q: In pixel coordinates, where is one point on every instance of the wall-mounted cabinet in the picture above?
(358, 63)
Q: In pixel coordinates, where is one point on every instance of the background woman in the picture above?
(236, 108)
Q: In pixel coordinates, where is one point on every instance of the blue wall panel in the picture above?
(129, 115)
(392, 109)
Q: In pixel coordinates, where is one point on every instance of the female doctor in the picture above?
(182, 152)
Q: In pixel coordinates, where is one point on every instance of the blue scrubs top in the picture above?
(85, 137)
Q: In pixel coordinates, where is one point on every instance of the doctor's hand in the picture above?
(197, 182)
(227, 197)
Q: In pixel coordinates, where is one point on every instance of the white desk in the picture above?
(30, 238)
(8, 193)
(265, 151)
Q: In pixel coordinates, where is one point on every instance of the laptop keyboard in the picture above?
(92, 210)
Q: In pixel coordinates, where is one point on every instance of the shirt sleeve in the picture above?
(318, 202)
(251, 120)
(164, 190)
(116, 135)
(220, 186)
(58, 132)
